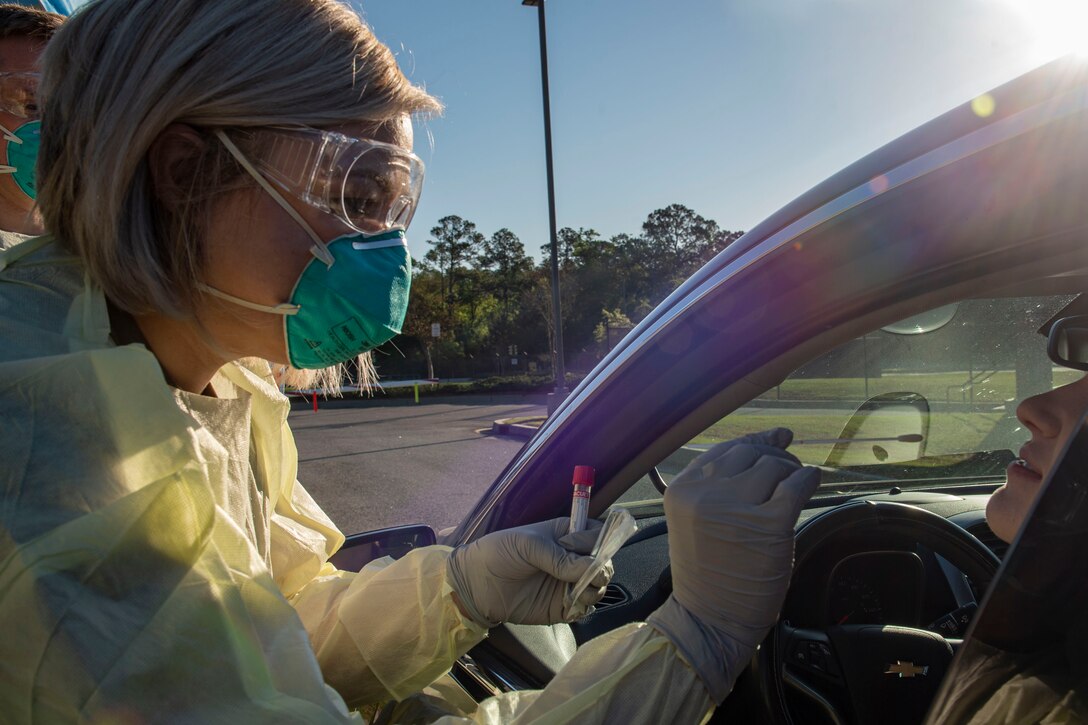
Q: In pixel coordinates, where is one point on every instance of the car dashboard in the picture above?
(868, 583)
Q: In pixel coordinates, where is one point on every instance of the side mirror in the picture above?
(887, 428)
(924, 323)
(360, 549)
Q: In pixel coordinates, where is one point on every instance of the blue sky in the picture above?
(732, 107)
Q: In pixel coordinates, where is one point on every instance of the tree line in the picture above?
(492, 304)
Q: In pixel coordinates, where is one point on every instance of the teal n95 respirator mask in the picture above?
(22, 153)
(353, 295)
(19, 98)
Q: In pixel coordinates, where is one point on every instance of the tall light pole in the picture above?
(560, 367)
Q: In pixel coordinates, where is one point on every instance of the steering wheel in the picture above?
(866, 673)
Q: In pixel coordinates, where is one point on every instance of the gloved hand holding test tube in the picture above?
(617, 529)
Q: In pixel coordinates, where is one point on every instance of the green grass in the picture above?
(935, 387)
(949, 432)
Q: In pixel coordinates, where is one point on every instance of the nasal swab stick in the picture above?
(908, 438)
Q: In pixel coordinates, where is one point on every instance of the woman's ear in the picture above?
(173, 159)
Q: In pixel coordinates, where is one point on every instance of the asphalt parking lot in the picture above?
(372, 463)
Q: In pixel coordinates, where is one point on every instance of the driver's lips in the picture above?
(1023, 472)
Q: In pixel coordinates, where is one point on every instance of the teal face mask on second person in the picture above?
(22, 151)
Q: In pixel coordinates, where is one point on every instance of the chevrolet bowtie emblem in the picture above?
(906, 669)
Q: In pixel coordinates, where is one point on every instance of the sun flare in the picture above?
(1057, 26)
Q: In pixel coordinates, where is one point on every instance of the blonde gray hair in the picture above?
(120, 71)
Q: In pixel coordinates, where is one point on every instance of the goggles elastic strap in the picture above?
(319, 249)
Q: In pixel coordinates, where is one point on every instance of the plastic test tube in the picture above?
(579, 505)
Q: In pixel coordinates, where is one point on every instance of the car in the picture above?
(888, 316)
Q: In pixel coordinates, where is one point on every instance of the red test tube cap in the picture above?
(583, 476)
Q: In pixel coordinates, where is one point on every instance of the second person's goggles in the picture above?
(371, 186)
(19, 94)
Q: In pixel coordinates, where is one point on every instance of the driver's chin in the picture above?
(1006, 510)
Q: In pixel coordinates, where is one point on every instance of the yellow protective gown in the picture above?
(10, 239)
(159, 561)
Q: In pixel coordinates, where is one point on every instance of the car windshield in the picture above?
(928, 401)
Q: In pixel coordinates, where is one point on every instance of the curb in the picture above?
(504, 427)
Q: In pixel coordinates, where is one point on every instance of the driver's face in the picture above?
(1051, 418)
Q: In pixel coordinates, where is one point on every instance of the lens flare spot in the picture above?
(797, 246)
(984, 105)
(878, 184)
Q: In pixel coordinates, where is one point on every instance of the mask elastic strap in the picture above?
(10, 138)
(319, 249)
(284, 308)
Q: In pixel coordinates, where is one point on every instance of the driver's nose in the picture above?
(1052, 416)
(1039, 415)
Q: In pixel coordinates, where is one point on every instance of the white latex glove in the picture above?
(731, 515)
(520, 575)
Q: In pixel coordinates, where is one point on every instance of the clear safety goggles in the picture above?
(1067, 342)
(19, 94)
(371, 186)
